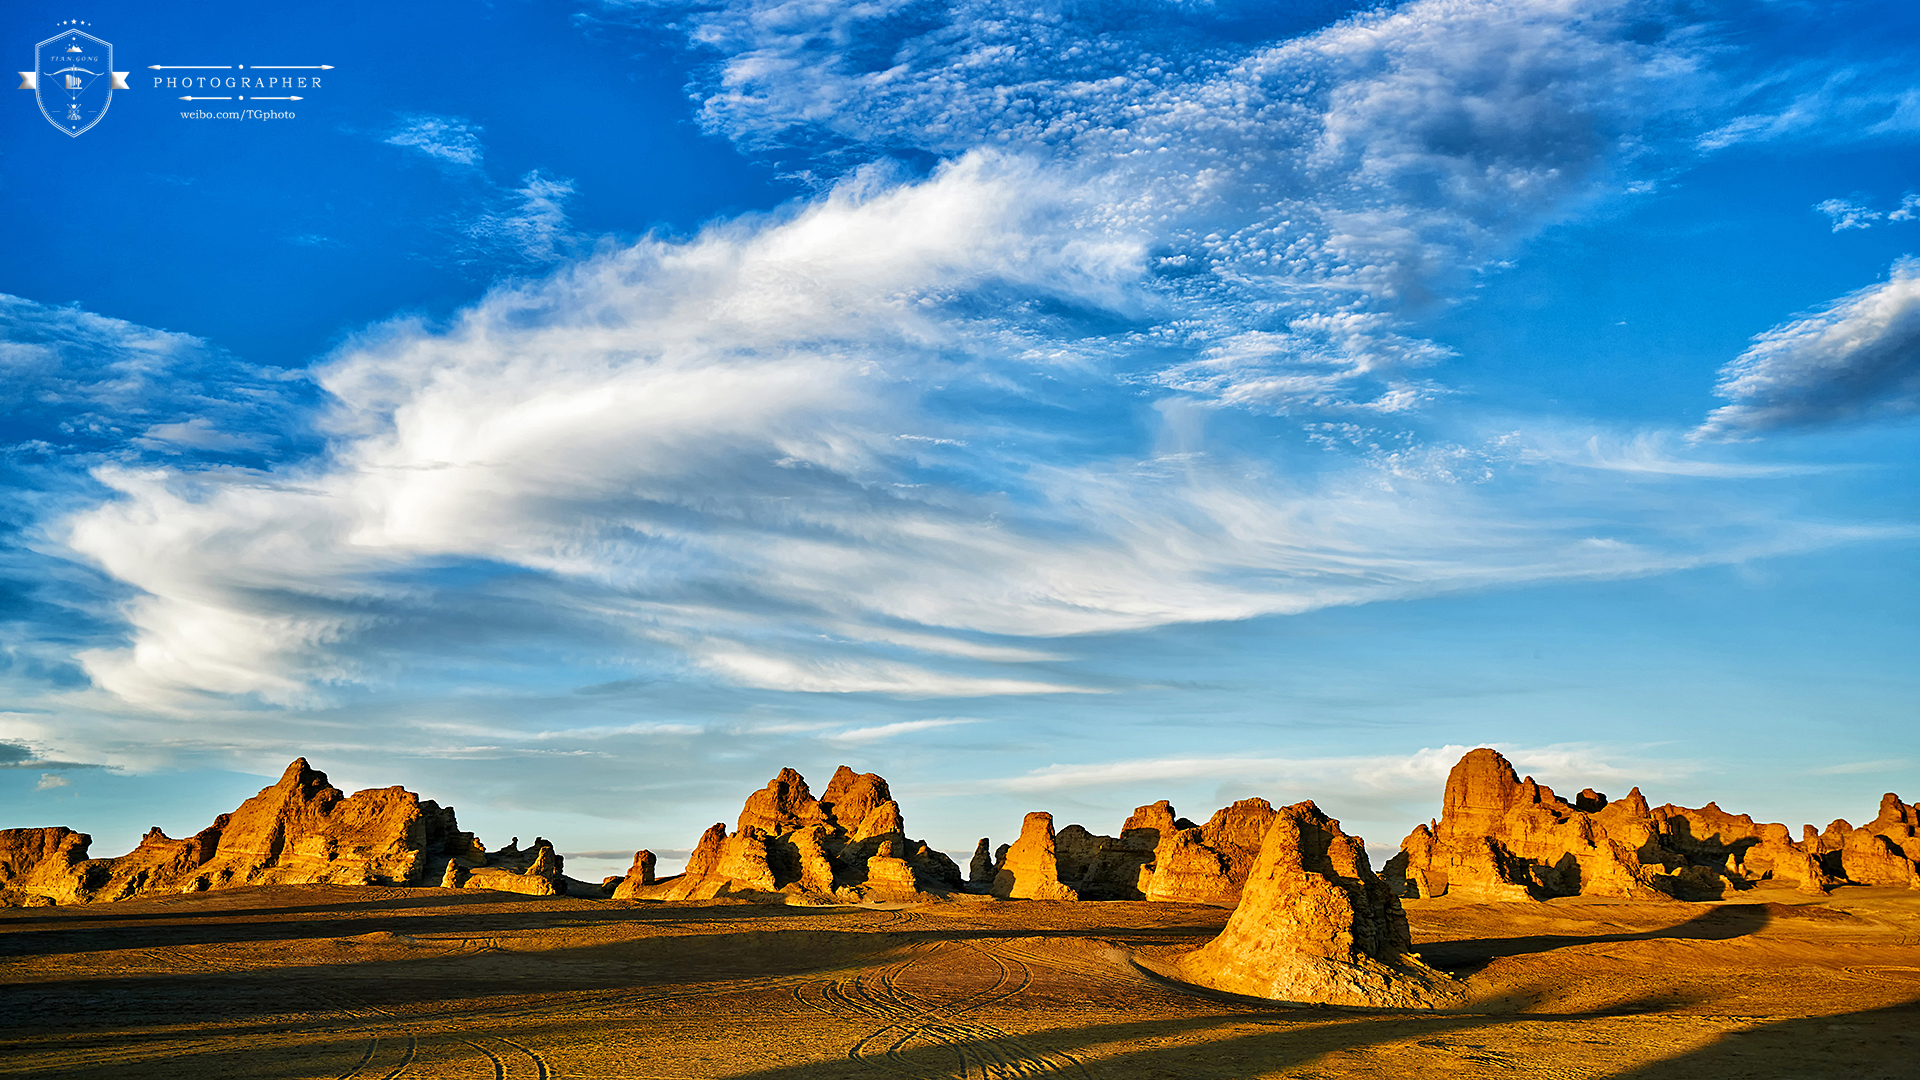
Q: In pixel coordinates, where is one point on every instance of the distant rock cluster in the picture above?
(847, 846)
(302, 830)
(1500, 837)
(1157, 856)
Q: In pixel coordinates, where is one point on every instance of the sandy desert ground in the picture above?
(379, 984)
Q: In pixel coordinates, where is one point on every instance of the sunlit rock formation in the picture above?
(1501, 837)
(848, 845)
(299, 831)
(639, 876)
(1315, 924)
(1881, 852)
(41, 866)
(1157, 856)
(1030, 869)
(534, 871)
(1209, 864)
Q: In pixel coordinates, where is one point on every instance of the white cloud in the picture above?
(1655, 453)
(1846, 214)
(1849, 214)
(49, 781)
(1857, 358)
(1822, 102)
(608, 732)
(878, 732)
(686, 454)
(199, 433)
(448, 140)
(758, 668)
(493, 223)
(531, 224)
(1422, 772)
(94, 384)
(1856, 768)
(1299, 195)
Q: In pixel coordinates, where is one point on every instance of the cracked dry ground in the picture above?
(387, 983)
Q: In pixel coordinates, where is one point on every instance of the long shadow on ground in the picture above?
(1872, 1044)
(1718, 923)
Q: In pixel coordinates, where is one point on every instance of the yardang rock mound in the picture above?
(1500, 837)
(300, 830)
(1316, 925)
(789, 847)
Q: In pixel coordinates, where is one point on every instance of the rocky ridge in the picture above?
(299, 830)
(848, 845)
(1157, 856)
(1501, 837)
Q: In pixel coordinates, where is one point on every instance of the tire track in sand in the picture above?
(519, 1054)
(499, 1067)
(406, 1059)
(373, 1043)
(980, 1051)
(353, 1007)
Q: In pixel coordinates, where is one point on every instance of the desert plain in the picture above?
(287, 981)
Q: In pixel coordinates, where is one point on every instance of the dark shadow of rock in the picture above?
(1719, 923)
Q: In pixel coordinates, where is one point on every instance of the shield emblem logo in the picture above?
(73, 80)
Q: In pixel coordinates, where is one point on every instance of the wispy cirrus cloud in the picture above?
(524, 222)
(879, 732)
(530, 223)
(1823, 102)
(1424, 770)
(1847, 214)
(87, 384)
(446, 140)
(1864, 768)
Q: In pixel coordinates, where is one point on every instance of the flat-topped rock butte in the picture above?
(311, 933)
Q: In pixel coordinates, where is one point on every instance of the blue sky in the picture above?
(576, 413)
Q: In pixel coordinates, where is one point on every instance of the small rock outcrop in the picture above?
(1501, 837)
(1161, 856)
(301, 830)
(1100, 867)
(1209, 864)
(1881, 852)
(1316, 925)
(534, 871)
(848, 845)
(1030, 869)
(639, 876)
(39, 866)
(980, 867)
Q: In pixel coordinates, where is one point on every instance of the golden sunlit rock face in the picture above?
(849, 845)
(1315, 924)
(1500, 837)
(301, 830)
